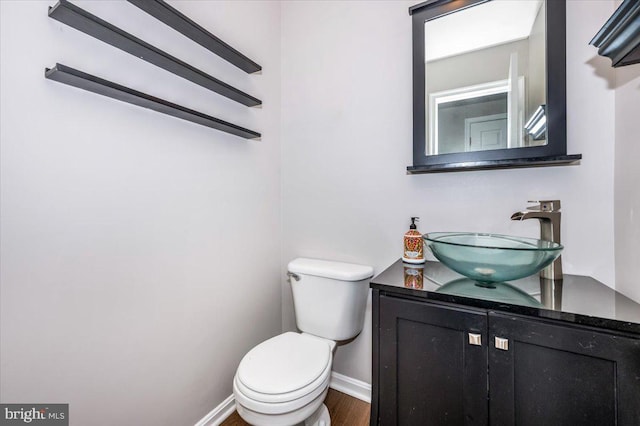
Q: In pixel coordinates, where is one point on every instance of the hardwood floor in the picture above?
(343, 409)
(346, 410)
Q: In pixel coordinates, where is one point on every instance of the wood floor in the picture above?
(343, 409)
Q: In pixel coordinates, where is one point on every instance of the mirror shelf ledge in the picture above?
(559, 160)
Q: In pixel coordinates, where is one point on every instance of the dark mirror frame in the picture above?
(553, 153)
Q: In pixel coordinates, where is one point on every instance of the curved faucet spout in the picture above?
(518, 216)
(538, 214)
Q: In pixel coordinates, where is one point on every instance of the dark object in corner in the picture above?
(619, 37)
(91, 83)
(181, 23)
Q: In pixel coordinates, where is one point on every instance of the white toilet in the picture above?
(284, 380)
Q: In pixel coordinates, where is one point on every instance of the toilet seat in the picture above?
(316, 395)
(284, 373)
(285, 367)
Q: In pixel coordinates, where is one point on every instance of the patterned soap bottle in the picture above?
(413, 244)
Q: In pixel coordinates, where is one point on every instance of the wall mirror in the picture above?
(488, 84)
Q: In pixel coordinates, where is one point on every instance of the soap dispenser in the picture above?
(413, 244)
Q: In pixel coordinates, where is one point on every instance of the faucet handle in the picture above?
(546, 205)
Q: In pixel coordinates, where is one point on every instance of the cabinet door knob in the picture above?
(502, 343)
(475, 339)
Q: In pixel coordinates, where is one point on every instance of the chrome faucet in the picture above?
(548, 213)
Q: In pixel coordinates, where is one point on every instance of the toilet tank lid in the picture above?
(330, 269)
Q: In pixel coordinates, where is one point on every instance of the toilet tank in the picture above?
(329, 298)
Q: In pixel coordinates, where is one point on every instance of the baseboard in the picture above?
(339, 382)
(350, 386)
(219, 414)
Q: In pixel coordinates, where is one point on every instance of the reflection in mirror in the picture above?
(485, 85)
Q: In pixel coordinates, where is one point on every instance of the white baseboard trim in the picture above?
(219, 414)
(352, 387)
(339, 382)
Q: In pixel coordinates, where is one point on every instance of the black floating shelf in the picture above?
(561, 160)
(91, 83)
(82, 20)
(619, 37)
(181, 23)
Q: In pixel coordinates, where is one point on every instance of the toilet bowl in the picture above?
(283, 381)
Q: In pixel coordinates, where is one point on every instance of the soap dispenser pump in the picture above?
(413, 244)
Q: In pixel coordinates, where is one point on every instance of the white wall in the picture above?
(132, 242)
(140, 252)
(346, 135)
(627, 181)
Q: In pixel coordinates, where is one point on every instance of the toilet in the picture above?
(283, 381)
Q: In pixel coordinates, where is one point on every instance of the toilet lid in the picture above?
(284, 363)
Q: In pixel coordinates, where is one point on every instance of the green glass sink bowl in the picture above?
(491, 258)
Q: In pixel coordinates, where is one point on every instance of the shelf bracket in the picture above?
(72, 77)
(163, 12)
(87, 23)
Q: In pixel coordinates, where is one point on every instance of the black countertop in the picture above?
(576, 299)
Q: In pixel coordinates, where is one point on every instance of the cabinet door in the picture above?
(429, 372)
(552, 374)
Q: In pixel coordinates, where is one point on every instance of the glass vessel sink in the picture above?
(491, 258)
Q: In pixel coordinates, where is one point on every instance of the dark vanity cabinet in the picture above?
(443, 359)
(428, 374)
(558, 374)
